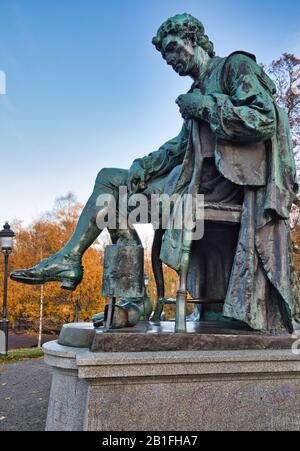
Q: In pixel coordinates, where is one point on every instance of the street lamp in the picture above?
(6, 245)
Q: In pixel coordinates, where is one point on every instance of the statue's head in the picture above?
(179, 40)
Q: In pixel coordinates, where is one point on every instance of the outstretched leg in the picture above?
(87, 230)
(65, 266)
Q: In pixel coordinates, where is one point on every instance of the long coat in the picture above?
(253, 149)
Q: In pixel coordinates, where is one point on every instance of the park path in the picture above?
(24, 393)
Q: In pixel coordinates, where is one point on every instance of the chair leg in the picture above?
(158, 274)
(180, 324)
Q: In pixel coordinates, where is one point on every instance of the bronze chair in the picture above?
(214, 213)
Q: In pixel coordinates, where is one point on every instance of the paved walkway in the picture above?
(24, 393)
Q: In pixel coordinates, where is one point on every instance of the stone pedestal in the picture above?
(204, 336)
(256, 390)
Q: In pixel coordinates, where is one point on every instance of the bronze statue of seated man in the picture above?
(247, 161)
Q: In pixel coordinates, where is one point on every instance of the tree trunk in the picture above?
(41, 317)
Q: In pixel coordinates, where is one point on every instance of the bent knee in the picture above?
(103, 175)
(112, 176)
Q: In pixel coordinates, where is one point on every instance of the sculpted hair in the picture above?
(186, 27)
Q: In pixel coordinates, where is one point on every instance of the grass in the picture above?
(21, 354)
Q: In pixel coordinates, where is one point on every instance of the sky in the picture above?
(86, 89)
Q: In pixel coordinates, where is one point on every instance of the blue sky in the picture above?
(86, 89)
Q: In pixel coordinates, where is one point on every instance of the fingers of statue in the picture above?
(179, 100)
(137, 186)
(129, 187)
(133, 187)
(136, 179)
(183, 102)
(189, 104)
(141, 183)
(132, 184)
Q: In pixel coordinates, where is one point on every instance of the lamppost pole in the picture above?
(6, 239)
(4, 307)
(4, 310)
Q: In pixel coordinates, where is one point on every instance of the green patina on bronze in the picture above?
(240, 139)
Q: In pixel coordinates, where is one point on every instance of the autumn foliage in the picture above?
(43, 238)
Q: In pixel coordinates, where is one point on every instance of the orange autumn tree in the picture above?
(44, 237)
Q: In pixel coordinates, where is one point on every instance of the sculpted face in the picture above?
(179, 54)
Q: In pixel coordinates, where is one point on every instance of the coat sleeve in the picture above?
(246, 113)
(167, 157)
